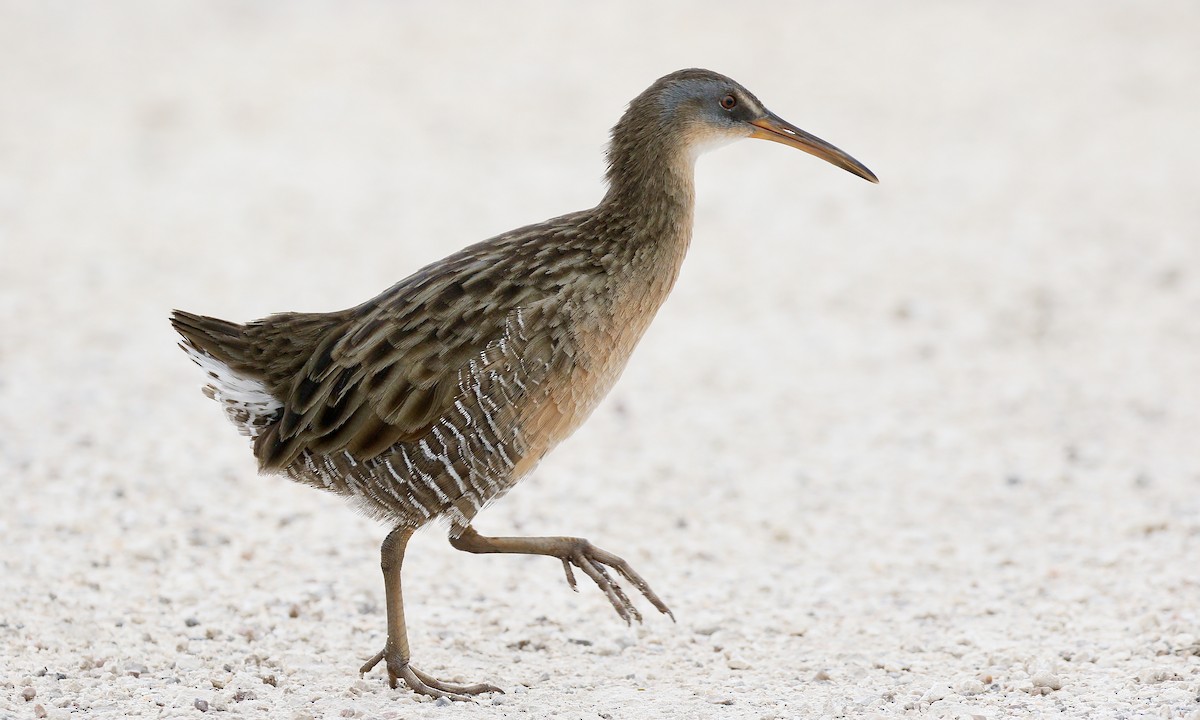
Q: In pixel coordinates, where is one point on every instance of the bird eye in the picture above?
(729, 102)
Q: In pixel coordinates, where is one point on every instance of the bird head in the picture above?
(702, 109)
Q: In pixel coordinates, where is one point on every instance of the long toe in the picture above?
(433, 682)
(431, 686)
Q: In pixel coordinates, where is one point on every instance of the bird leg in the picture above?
(395, 653)
(593, 561)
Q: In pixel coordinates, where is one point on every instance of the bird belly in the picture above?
(602, 349)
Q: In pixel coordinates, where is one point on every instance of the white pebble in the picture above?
(1150, 676)
(937, 692)
(969, 687)
(1047, 680)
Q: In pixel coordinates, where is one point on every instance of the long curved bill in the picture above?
(779, 130)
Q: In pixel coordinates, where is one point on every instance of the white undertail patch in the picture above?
(246, 401)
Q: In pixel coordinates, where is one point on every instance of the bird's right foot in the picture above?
(595, 563)
(423, 683)
(599, 565)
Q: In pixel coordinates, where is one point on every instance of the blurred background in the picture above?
(919, 435)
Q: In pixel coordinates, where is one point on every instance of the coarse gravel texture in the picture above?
(922, 449)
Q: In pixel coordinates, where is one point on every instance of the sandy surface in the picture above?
(927, 448)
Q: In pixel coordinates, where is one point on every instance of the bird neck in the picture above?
(648, 211)
(650, 171)
(651, 188)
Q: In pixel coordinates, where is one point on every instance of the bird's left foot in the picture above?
(423, 683)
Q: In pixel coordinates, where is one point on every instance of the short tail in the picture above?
(221, 349)
(219, 339)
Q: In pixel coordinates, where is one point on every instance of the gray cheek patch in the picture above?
(675, 95)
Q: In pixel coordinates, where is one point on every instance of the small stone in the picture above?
(270, 680)
(822, 676)
(1150, 676)
(191, 622)
(1047, 680)
(201, 704)
(718, 700)
(738, 663)
(29, 694)
(39, 711)
(1083, 656)
(136, 670)
(442, 701)
(935, 693)
(348, 712)
(969, 687)
(243, 695)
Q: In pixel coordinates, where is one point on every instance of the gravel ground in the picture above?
(927, 448)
